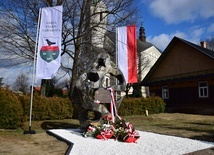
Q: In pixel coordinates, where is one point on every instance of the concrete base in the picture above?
(148, 144)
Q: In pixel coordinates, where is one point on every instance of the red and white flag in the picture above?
(49, 43)
(127, 52)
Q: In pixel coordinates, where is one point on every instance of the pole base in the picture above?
(29, 131)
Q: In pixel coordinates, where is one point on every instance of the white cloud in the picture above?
(196, 31)
(210, 29)
(161, 41)
(177, 11)
(10, 74)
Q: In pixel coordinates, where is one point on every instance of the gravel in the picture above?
(148, 144)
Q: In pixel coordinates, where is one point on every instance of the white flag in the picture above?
(49, 43)
(127, 52)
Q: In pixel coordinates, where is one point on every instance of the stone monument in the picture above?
(91, 91)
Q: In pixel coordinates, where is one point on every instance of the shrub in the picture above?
(138, 106)
(11, 112)
(46, 108)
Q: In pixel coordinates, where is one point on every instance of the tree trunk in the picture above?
(43, 87)
(47, 88)
(74, 79)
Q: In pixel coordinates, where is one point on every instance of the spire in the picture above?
(142, 35)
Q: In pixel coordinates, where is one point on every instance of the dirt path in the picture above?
(39, 143)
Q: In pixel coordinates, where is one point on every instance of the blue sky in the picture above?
(192, 20)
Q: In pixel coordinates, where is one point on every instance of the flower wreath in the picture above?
(120, 130)
(113, 126)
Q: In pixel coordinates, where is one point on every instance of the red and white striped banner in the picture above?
(127, 52)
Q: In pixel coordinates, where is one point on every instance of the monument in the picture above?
(90, 91)
(90, 94)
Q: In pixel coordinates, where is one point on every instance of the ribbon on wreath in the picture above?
(107, 131)
(105, 134)
(113, 108)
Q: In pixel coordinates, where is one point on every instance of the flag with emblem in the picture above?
(49, 42)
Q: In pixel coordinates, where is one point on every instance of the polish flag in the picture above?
(127, 52)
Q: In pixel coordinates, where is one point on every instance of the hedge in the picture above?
(45, 108)
(138, 106)
(11, 112)
(14, 109)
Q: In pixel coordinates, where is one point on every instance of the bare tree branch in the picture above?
(18, 26)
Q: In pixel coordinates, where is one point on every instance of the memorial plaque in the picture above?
(103, 95)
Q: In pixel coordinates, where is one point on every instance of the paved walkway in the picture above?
(148, 144)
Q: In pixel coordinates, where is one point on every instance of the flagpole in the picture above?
(116, 47)
(33, 78)
(116, 59)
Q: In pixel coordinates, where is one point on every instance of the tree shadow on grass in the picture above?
(207, 138)
(201, 123)
(206, 135)
(47, 125)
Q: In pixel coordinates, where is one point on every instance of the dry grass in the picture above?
(198, 127)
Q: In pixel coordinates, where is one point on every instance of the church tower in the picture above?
(98, 22)
(142, 35)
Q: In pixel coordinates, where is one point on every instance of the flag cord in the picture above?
(33, 76)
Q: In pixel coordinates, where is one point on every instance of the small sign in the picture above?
(103, 95)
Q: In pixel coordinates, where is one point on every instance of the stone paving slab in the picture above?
(148, 144)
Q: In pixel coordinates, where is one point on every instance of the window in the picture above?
(147, 91)
(107, 82)
(101, 16)
(165, 92)
(145, 59)
(203, 89)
